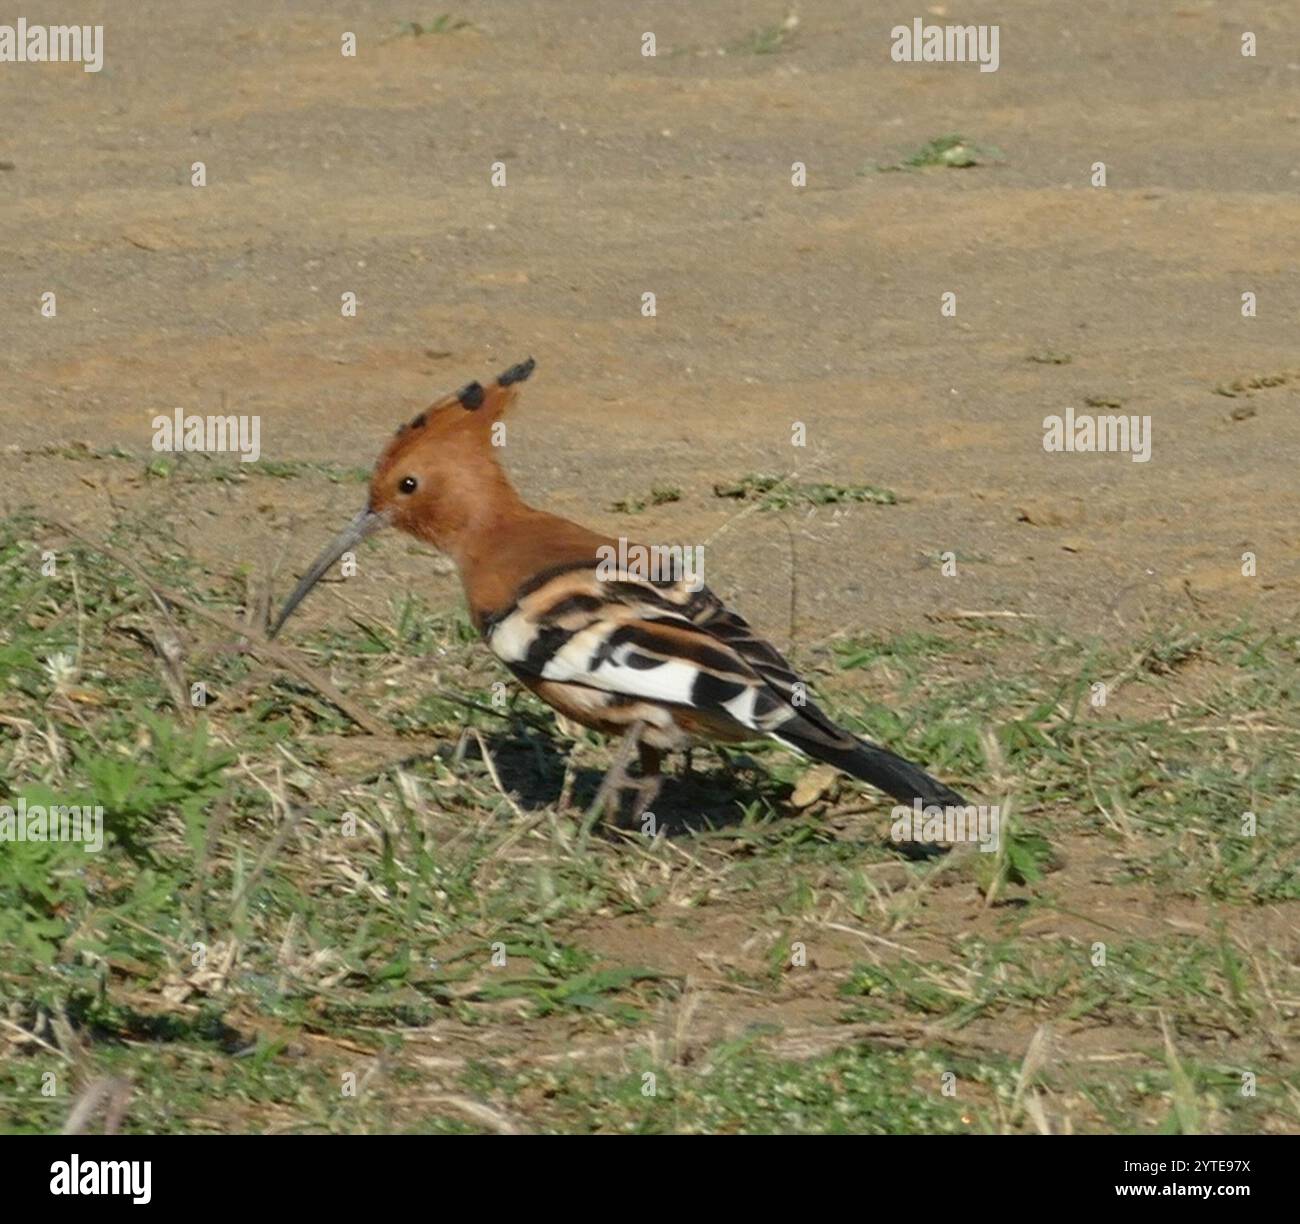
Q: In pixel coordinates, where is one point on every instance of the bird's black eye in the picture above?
(408, 484)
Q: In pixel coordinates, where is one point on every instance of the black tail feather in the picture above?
(888, 771)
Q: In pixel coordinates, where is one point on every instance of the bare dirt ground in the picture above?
(671, 175)
(776, 304)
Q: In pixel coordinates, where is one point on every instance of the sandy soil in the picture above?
(672, 175)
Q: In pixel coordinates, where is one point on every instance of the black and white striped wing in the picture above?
(654, 642)
(657, 650)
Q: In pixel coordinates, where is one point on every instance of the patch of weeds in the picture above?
(739, 1088)
(559, 978)
(183, 773)
(200, 468)
(767, 40)
(1023, 857)
(863, 651)
(658, 496)
(444, 23)
(1244, 386)
(1108, 980)
(779, 493)
(952, 152)
(81, 450)
(40, 883)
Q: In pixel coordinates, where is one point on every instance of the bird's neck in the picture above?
(502, 542)
(474, 517)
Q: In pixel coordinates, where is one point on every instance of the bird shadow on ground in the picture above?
(690, 801)
(531, 768)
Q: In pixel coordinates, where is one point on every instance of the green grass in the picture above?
(283, 903)
(194, 468)
(782, 493)
(740, 1089)
(767, 40)
(951, 152)
(871, 649)
(658, 496)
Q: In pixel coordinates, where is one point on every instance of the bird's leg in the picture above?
(566, 787)
(616, 779)
(647, 787)
(458, 753)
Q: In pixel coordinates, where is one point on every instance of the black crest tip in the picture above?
(517, 373)
(471, 396)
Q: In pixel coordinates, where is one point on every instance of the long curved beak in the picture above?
(365, 524)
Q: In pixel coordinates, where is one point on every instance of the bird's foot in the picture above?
(619, 781)
(647, 791)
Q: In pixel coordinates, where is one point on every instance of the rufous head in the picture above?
(436, 479)
(442, 466)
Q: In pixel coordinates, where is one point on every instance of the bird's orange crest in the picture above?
(438, 479)
(443, 464)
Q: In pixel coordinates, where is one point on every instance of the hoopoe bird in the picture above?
(661, 662)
